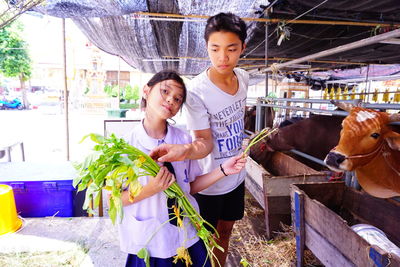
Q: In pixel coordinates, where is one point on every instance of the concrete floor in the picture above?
(96, 235)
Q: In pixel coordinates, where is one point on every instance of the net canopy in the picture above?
(148, 45)
(150, 42)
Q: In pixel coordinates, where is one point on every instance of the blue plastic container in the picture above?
(40, 189)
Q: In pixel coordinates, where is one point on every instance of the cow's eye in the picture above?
(375, 135)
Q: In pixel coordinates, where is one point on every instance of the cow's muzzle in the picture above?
(334, 159)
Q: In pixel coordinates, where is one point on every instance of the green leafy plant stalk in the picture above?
(115, 166)
(260, 136)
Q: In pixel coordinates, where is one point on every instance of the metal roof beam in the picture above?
(339, 49)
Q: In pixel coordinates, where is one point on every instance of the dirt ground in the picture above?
(249, 247)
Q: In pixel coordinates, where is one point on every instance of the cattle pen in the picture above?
(321, 239)
(287, 103)
(321, 210)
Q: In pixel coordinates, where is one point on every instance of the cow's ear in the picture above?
(393, 140)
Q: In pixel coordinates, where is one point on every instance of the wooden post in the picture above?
(266, 211)
(65, 91)
(266, 54)
(299, 227)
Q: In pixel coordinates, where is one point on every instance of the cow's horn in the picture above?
(394, 117)
(345, 106)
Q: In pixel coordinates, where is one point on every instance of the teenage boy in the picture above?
(215, 113)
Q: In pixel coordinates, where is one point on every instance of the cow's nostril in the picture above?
(334, 159)
(340, 159)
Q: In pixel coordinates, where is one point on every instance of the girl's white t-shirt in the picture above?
(207, 106)
(143, 219)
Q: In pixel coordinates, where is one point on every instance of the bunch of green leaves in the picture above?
(115, 166)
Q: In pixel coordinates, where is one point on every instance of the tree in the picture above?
(12, 9)
(132, 93)
(14, 58)
(111, 91)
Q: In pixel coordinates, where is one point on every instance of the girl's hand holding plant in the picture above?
(162, 181)
(234, 164)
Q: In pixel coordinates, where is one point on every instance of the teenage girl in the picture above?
(145, 217)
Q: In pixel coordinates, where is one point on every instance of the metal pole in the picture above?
(258, 116)
(342, 48)
(361, 79)
(65, 91)
(309, 157)
(367, 84)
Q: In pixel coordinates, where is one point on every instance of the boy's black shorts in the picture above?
(227, 207)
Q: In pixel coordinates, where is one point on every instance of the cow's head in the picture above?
(262, 151)
(364, 132)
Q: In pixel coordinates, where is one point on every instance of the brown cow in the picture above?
(315, 136)
(370, 147)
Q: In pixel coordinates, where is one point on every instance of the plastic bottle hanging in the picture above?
(353, 93)
(338, 93)
(362, 95)
(325, 95)
(345, 94)
(332, 93)
(375, 95)
(385, 97)
(396, 98)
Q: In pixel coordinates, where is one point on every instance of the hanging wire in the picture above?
(335, 38)
(276, 29)
(267, 9)
(307, 11)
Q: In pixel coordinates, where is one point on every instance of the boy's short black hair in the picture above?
(226, 22)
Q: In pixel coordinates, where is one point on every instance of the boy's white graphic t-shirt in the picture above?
(207, 106)
(147, 217)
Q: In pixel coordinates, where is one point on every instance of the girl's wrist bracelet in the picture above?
(222, 170)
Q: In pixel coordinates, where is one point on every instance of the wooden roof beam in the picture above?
(178, 17)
